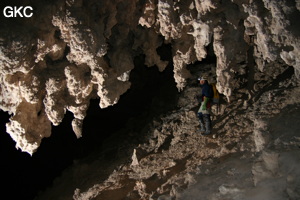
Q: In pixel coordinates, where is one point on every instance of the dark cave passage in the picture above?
(152, 93)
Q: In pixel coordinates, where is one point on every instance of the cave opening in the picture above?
(152, 93)
(206, 65)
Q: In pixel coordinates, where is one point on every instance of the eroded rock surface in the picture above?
(72, 51)
(252, 154)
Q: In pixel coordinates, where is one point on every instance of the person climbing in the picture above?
(205, 107)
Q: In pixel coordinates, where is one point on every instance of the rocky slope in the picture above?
(72, 51)
(253, 153)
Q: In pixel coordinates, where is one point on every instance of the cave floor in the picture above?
(252, 154)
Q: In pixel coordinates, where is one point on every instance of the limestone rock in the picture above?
(73, 51)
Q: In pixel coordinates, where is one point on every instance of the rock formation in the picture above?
(253, 153)
(72, 51)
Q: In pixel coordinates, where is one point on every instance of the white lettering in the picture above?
(30, 8)
(9, 11)
(17, 11)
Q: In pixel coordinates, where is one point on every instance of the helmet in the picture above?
(202, 78)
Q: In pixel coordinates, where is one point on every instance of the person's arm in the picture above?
(205, 100)
(205, 93)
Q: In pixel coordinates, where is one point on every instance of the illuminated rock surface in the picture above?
(71, 52)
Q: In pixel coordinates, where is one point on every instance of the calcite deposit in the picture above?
(72, 51)
(253, 153)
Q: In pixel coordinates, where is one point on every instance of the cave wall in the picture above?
(72, 51)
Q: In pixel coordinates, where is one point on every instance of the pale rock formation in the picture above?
(73, 51)
(28, 126)
(148, 17)
(273, 24)
(169, 24)
(255, 154)
(149, 47)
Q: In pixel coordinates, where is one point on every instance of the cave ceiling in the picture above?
(71, 51)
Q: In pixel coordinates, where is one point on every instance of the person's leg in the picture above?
(207, 122)
(201, 120)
